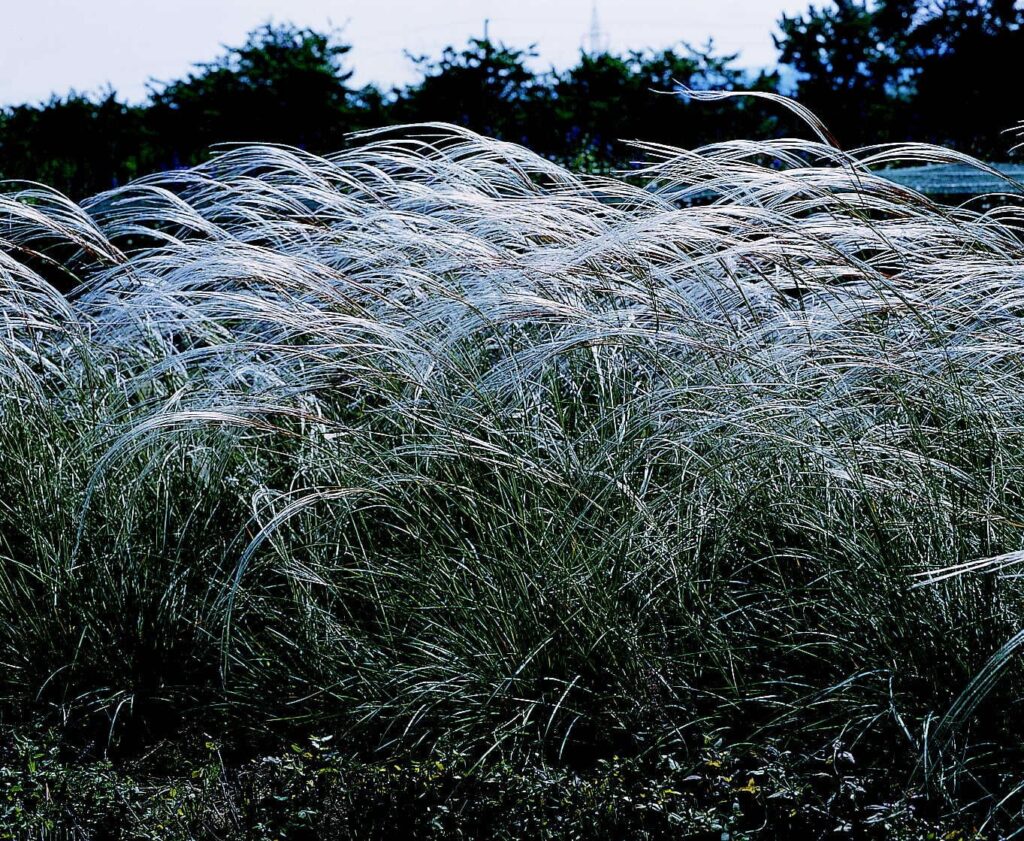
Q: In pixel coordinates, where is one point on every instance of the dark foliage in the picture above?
(937, 71)
(874, 70)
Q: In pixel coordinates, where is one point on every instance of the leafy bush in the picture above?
(313, 790)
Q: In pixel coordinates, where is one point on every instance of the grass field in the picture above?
(446, 479)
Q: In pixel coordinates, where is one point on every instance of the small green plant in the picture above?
(43, 796)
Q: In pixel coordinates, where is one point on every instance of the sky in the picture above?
(52, 46)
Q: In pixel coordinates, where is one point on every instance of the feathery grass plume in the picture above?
(435, 443)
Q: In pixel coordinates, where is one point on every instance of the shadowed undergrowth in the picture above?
(442, 449)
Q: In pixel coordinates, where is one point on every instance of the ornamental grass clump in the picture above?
(435, 444)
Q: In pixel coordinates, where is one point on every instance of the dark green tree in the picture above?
(851, 58)
(968, 58)
(487, 87)
(285, 85)
(930, 70)
(607, 98)
(77, 144)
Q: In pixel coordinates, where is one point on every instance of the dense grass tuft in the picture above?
(437, 446)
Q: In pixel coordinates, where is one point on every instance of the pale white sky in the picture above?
(49, 46)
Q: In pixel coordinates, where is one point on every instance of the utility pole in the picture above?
(598, 44)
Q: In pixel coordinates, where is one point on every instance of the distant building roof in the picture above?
(956, 179)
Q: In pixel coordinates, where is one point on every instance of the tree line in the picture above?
(941, 71)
